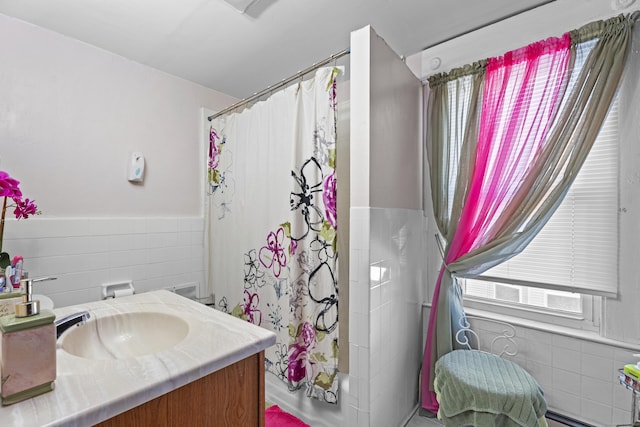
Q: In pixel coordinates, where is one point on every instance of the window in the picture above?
(576, 253)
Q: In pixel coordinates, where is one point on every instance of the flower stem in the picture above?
(4, 210)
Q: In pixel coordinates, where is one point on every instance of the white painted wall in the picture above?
(71, 114)
(386, 162)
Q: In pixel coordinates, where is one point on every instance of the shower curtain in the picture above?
(272, 227)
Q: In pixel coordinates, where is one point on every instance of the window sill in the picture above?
(550, 328)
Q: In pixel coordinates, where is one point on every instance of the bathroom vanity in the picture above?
(152, 359)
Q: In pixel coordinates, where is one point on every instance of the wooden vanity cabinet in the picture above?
(233, 396)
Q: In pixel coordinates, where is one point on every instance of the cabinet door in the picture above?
(231, 397)
(152, 413)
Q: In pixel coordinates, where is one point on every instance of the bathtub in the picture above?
(311, 411)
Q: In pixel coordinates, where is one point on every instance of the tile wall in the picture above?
(387, 276)
(84, 253)
(386, 289)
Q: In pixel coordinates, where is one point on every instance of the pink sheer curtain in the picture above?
(521, 96)
(522, 93)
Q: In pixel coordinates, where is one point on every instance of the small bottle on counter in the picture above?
(27, 349)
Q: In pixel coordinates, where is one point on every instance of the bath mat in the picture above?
(276, 417)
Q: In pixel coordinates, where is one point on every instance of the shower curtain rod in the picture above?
(281, 84)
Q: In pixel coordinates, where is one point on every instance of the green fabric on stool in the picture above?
(481, 389)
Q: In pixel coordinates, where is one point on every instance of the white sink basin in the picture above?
(125, 335)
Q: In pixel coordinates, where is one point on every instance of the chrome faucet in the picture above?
(69, 321)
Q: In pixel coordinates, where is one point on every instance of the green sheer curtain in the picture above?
(453, 122)
(454, 106)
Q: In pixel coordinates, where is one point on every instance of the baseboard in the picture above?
(550, 415)
(425, 413)
(562, 419)
(410, 416)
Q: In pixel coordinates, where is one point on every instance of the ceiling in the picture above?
(211, 43)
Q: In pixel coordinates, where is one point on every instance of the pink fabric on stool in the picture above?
(276, 417)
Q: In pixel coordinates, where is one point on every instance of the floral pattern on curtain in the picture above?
(510, 162)
(272, 228)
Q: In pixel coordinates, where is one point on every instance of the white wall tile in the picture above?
(384, 412)
(359, 229)
(622, 398)
(352, 415)
(84, 253)
(623, 356)
(380, 236)
(354, 264)
(395, 315)
(564, 403)
(363, 356)
(535, 336)
(597, 367)
(361, 335)
(385, 270)
(375, 362)
(99, 243)
(597, 349)
(598, 390)
(354, 367)
(566, 381)
(563, 341)
(352, 402)
(596, 412)
(377, 337)
(101, 227)
(376, 293)
(363, 418)
(374, 274)
(362, 296)
(162, 225)
(541, 373)
(576, 374)
(388, 292)
(376, 386)
(621, 417)
(354, 389)
(364, 389)
(566, 359)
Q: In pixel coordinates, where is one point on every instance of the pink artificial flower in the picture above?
(9, 186)
(24, 208)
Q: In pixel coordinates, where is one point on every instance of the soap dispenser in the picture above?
(27, 348)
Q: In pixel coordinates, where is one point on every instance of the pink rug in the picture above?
(276, 417)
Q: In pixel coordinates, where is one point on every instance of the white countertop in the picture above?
(89, 391)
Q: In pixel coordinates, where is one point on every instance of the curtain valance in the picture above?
(611, 27)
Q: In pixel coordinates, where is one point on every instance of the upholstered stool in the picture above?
(476, 388)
